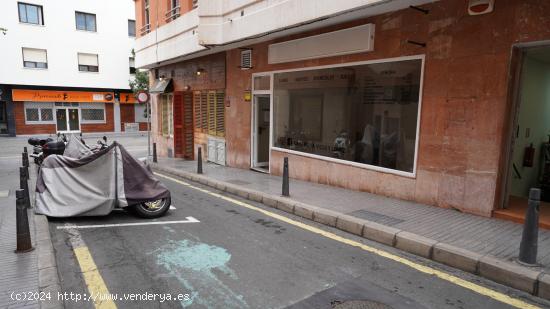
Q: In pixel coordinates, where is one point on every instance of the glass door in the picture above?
(67, 119)
(261, 123)
(61, 119)
(73, 119)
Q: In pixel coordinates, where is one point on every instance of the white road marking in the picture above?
(172, 207)
(93, 226)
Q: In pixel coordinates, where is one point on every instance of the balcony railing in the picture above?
(172, 14)
(145, 29)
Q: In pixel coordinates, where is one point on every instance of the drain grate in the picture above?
(359, 304)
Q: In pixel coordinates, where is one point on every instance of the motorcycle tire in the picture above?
(153, 209)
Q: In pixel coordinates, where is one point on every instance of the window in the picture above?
(132, 65)
(146, 18)
(209, 110)
(38, 112)
(30, 13)
(131, 28)
(201, 111)
(166, 114)
(365, 114)
(35, 58)
(174, 11)
(140, 112)
(92, 112)
(85, 21)
(88, 62)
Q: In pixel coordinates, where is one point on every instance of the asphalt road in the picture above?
(237, 257)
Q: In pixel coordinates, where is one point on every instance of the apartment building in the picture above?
(426, 101)
(67, 66)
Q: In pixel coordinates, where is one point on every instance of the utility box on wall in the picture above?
(216, 150)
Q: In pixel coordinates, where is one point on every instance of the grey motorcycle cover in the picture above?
(95, 184)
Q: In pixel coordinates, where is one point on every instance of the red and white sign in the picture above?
(142, 96)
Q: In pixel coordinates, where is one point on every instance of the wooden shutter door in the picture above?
(178, 125)
(188, 125)
(220, 114)
(183, 125)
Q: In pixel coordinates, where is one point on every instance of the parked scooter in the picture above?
(47, 146)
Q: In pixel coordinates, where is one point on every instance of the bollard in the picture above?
(24, 148)
(285, 178)
(530, 236)
(25, 159)
(22, 224)
(24, 185)
(155, 152)
(199, 160)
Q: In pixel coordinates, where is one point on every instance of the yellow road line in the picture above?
(97, 288)
(503, 298)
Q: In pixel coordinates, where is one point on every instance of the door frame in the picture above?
(254, 151)
(514, 103)
(66, 108)
(254, 93)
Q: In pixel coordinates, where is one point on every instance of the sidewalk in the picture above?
(471, 238)
(30, 272)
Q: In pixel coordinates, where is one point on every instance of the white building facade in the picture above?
(66, 66)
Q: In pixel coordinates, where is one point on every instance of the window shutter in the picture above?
(204, 111)
(34, 55)
(211, 112)
(164, 115)
(246, 59)
(220, 113)
(197, 109)
(87, 59)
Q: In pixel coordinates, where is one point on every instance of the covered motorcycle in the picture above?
(95, 184)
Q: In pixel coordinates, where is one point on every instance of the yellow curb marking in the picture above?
(503, 298)
(94, 282)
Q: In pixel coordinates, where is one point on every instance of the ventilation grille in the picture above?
(246, 59)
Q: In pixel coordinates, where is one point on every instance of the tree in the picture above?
(140, 82)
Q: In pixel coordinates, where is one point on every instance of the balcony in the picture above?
(176, 38)
(145, 29)
(172, 14)
(217, 23)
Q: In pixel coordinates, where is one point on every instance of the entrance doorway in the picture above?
(529, 161)
(261, 128)
(67, 120)
(3, 118)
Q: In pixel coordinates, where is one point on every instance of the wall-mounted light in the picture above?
(187, 88)
(200, 71)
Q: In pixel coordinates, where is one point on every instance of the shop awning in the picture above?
(161, 86)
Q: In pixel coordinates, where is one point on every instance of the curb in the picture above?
(48, 277)
(531, 280)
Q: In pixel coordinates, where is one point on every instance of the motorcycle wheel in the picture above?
(152, 209)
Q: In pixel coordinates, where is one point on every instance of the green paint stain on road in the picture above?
(195, 265)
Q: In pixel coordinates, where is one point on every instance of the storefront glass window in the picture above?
(32, 114)
(46, 114)
(364, 113)
(92, 112)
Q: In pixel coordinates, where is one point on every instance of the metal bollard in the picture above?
(285, 178)
(24, 185)
(199, 160)
(22, 224)
(155, 152)
(530, 236)
(25, 160)
(24, 148)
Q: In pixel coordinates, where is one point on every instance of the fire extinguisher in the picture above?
(529, 156)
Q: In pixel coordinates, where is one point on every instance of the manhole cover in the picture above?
(359, 304)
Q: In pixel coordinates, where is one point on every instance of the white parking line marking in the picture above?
(93, 226)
